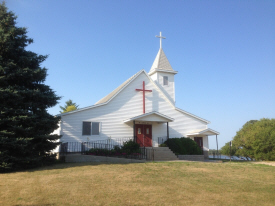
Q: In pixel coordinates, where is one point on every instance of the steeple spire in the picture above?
(162, 73)
(160, 38)
(161, 62)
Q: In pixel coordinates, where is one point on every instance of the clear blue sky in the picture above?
(224, 52)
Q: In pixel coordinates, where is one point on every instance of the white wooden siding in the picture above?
(168, 90)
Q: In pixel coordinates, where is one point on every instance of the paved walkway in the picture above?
(271, 163)
(207, 161)
(265, 163)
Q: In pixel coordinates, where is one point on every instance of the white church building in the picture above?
(143, 107)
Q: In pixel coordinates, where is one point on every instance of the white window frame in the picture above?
(91, 130)
(98, 128)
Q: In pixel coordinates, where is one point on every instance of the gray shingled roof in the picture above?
(161, 62)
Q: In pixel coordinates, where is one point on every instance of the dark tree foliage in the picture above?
(256, 140)
(225, 150)
(183, 146)
(25, 125)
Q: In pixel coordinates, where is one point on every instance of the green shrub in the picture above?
(162, 145)
(100, 152)
(117, 148)
(183, 146)
(130, 147)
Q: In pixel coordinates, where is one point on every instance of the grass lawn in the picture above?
(154, 183)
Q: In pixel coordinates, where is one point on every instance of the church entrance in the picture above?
(199, 141)
(144, 135)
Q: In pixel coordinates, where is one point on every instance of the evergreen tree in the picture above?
(25, 125)
(69, 106)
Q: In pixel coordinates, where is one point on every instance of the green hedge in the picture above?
(128, 148)
(183, 146)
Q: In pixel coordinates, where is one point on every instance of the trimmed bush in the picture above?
(130, 147)
(183, 146)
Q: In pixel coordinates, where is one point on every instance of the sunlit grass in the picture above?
(162, 183)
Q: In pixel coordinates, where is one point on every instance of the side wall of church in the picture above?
(128, 104)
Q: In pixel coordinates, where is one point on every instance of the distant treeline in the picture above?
(213, 152)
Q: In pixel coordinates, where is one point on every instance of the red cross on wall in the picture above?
(143, 90)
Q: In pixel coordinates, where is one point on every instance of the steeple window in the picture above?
(165, 80)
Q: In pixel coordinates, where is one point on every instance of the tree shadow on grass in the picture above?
(35, 205)
(59, 165)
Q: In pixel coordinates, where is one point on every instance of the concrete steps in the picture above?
(160, 154)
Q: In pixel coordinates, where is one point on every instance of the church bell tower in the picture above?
(162, 73)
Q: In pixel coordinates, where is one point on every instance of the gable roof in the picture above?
(192, 115)
(109, 97)
(207, 132)
(161, 63)
(151, 117)
(105, 100)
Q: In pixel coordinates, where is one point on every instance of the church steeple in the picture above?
(161, 62)
(162, 73)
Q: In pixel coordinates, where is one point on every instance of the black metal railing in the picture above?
(113, 151)
(216, 155)
(80, 147)
(116, 141)
(161, 140)
(148, 151)
(109, 147)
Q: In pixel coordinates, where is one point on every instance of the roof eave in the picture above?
(167, 119)
(79, 110)
(161, 70)
(192, 115)
(208, 132)
(104, 103)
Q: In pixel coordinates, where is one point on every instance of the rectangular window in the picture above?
(95, 128)
(90, 128)
(86, 128)
(165, 80)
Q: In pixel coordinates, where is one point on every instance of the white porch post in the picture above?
(167, 130)
(134, 129)
(217, 145)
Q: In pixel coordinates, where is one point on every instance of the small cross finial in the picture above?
(160, 38)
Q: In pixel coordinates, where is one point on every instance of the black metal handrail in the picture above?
(80, 147)
(109, 147)
(161, 140)
(148, 151)
(115, 141)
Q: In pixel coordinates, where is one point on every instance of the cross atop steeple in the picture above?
(160, 38)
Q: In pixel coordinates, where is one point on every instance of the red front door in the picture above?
(199, 141)
(144, 135)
